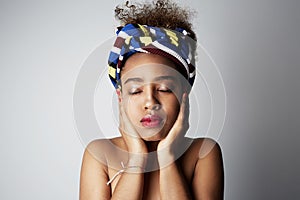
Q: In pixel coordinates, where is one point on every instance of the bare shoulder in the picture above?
(104, 142)
(99, 148)
(205, 147)
(94, 154)
(208, 176)
(94, 170)
(200, 148)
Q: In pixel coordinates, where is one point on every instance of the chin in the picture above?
(153, 134)
(154, 137)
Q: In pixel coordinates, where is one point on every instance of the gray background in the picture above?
(43, 44)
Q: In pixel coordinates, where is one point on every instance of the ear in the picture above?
(187, 88)
(119, 94)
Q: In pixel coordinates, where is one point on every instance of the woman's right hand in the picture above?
(134, 142)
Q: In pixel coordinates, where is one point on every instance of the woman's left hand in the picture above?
(166, 147)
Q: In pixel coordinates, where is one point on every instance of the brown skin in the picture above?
(197, 174)
(150, 86)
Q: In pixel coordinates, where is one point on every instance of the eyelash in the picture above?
(165, 90)
(159, 90)
(135, 92)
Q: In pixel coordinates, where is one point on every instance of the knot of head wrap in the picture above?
(173, 44)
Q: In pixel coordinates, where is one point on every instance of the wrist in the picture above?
(126, 169)
(133, 168)
(137, 149)
(165, 157)
(139, 160)
(135, 145)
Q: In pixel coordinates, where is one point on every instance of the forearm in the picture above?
(173, 184)
(130, 186)
(131, 181)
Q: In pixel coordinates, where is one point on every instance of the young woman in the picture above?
(152, 68)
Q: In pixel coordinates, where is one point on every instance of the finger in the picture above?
(127, 126)
(184, 108)
(181, 123)
(121, 121)
(183, 116)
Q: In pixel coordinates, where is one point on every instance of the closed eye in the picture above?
(135, 92)
(165, 90)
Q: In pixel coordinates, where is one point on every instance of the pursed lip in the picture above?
(151, 121)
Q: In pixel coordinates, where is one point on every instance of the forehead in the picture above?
(148, 66)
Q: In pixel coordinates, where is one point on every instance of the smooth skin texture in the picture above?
(150, 89)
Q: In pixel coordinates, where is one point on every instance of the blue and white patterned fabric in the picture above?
(173, 44)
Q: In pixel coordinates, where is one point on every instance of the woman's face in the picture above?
(151, 94)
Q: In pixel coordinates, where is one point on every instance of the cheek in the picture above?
(131, 107)
(127, 101)
(172, 107)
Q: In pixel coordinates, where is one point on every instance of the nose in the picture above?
(151, 102)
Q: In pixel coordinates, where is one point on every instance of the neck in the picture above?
(152, 146)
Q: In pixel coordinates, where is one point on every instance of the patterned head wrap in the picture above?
(173, 44)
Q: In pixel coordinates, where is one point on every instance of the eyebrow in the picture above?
(159, 78)
(134, 80)
(162, 78)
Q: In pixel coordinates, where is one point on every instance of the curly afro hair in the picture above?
(159, 13)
